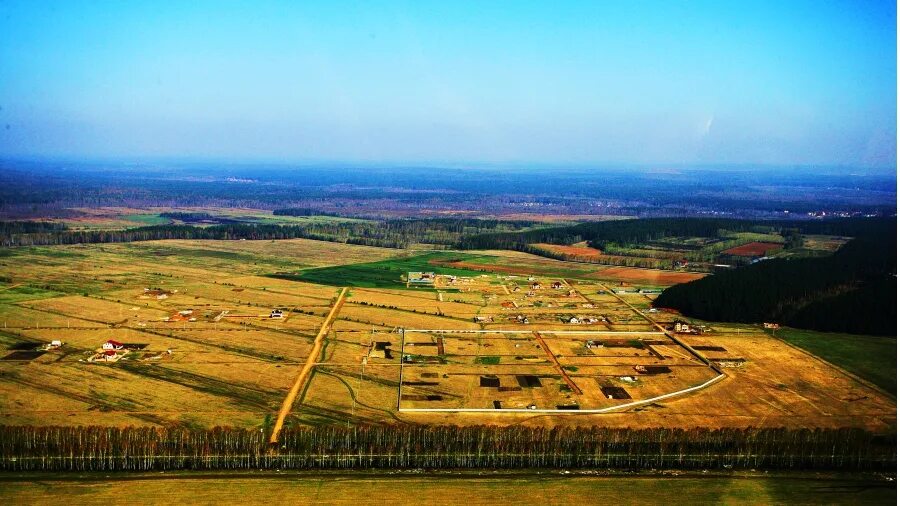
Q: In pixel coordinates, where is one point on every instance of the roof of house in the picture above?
(114, 342)
(109, 353)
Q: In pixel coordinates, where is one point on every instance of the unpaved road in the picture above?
(308, 366)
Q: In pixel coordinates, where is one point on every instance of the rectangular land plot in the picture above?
(512, 371)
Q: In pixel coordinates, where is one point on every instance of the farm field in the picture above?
(215, 333)
(449, 489)
(754, 249)
(580, 250)
(871, 357)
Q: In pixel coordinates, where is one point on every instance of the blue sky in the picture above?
(634, 82)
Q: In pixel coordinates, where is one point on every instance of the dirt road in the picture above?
(307, 367)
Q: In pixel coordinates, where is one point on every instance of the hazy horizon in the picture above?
(583, 84)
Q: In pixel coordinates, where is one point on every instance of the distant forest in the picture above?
(41, 189)
(853, 290)
(600, 234)
(399, 233)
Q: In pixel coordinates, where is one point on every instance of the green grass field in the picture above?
(383, 274)
(375, 488)
(870, 357)
(146, 219)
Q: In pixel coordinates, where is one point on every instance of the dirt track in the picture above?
(307, 367)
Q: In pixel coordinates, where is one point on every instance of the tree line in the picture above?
(26, 448)
(397, 233)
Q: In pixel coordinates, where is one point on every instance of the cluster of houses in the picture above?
(109, 351)
(182, 316)
(113, 351)
(623, 291)
(584, 320)
(680, 264)
(420, 278)
(415, 278)
(535, 286)
(521, 319)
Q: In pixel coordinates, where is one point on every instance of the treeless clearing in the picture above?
(583, 251)
(754, 249)
(648, 276)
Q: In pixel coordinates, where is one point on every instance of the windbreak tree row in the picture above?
(25, 448)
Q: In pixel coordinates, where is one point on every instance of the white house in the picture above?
(113, 345)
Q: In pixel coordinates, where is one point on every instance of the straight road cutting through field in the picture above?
(307, 367)
(556, 364)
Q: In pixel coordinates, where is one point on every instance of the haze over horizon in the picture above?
(700, 83)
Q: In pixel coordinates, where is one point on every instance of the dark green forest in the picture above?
(397, 233)
(599, 234)
(853, 290)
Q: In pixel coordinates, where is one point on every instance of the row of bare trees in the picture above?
(25, 448)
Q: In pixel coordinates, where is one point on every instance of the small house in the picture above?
(682, 327)
(110, 355)
(420, 278)
(574, 320)
(56, 343)
(556, 285)
(277, 314)
(112, 345)
(535, 286)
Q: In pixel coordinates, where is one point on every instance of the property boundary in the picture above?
(719, 375)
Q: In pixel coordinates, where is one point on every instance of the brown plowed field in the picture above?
(578, 251)
(753, 249)
(650, 276)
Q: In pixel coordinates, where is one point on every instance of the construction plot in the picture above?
(547, 371)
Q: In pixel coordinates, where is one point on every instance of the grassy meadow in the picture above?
(872, 358)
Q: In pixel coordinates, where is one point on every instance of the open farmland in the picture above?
(754, 249)
(390, 488)
(202, 345)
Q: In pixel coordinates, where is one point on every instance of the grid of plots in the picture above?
(542, 371)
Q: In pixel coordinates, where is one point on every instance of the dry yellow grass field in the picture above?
(233, 364)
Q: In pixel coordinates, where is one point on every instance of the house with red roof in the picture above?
(112, 345)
